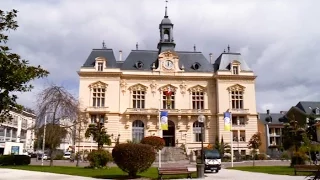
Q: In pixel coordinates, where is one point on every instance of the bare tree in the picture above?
(57, 105)
(80, 126)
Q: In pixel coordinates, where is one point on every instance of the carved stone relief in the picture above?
(153, 87)
(183, 88)
(197, 88)
(138, 87)
(123, 86)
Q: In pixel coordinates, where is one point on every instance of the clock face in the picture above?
(168, 64)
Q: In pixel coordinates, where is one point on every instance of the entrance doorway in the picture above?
(169, 135)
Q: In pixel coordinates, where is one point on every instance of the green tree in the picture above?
(221, 146)
(254, 144)
(54, 135)
(15, 73)
(292, 135)
(99, 134)
(311, 128)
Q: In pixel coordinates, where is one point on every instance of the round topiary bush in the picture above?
(298, 158)
(156, 142)
(133, 158)
(99, 158)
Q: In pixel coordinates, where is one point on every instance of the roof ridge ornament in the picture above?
(104, 45)
(166, 10)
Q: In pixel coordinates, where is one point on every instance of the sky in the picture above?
(279, 39)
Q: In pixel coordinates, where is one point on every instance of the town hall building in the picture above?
(126, 95)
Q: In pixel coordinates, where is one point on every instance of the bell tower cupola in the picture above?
(166, 33)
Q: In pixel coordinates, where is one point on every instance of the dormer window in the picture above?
(100, 63)
(195, 66)
(100, 66)
(235, 69)
(317, 111)
(139, 65)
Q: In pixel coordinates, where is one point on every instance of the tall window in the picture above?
(235, 69)
(237, 99)
(235, 136)
(197, 131)
(97, 118)
(137, 131)
(138, 99)
(100, 66)
(197, 100)
(168, 103)
(98, 97)
(93, 119)
(243, 135)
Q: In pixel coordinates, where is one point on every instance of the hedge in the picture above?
(9, 160)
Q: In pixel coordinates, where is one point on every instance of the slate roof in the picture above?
(306, 105)
(224, 60)
(275, 118)
(106, 53)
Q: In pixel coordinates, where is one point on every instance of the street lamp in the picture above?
(201, 166)
(44, 137)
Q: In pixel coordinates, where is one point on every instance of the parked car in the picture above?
(45, 157)
(67, 155)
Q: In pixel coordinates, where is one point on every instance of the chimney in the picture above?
(120, 55)
(210, 55)
(268, 111)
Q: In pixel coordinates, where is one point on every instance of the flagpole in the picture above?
(159, 129)
(231, 137)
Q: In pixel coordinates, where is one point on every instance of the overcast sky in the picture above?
(279, 39)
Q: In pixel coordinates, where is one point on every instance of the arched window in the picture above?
(197, 131)
(137, 131)
(166, 35)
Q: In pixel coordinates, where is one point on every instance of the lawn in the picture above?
(280, 170)
(110, 173)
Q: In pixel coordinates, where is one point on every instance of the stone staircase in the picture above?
(172, 154)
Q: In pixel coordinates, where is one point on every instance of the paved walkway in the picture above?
(242, 175)
(7, 174)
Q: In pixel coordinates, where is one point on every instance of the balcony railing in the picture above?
(239, 111)
(170, 111)
(97, 109)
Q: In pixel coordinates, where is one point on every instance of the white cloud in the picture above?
(279, 39)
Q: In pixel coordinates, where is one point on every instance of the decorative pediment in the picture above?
(236, 87)
(197, 88)
(235, 62)
(100, 59)
(98, 84)
(168, 55)
(167, 87)
(138, 87)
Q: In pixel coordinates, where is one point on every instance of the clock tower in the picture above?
(166, 34)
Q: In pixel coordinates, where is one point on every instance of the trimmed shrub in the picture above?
(133, 158)
(298, 158)
(155, 141)
(99, 158)
(285, 156)
(261, 156)
(10, 160)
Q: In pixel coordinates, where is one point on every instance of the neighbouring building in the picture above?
(126, 94)
(303, 110)
(19, 129)
(270, 126)
(68, 141)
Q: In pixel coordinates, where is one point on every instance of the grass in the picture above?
(279, 170)
(110, 173)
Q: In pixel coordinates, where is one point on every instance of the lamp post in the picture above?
(44, 137)
(201, 165)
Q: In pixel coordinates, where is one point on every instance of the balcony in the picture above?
(170, 111)
(97, 109)
(239, 111)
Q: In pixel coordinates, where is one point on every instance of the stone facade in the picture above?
(127, 95)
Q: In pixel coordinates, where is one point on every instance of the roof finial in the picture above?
(228, 48)
(103, 45)
(224, 50)
(194, 48)
(137, 46)
(166, 13)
